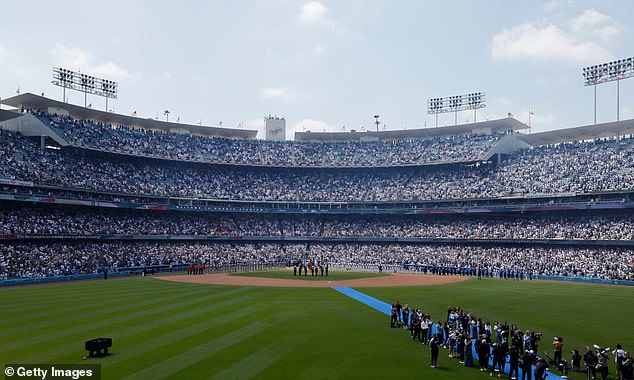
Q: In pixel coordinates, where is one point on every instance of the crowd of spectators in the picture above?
(578, 167)
(63, 258)
(159, 144)
(582, 167)
(35, 260)
(81, 221)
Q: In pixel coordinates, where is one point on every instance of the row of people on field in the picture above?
(500, 347)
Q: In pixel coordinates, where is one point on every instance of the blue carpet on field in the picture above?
(386, 309)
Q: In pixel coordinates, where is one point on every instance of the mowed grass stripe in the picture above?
(36, 337)
(200, 352)
(139, 346)
(81, 310)
(251, 365)
(145, 330)
(41, 297)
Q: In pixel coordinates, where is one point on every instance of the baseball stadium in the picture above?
(365, 211)
(205, 253)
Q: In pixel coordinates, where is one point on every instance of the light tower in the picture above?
(608, 72)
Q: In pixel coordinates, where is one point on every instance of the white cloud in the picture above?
(312, 11)
(74, 58)
(279, 93)
(312, 125)
(545, 43)
(167, 75)
(553, 4)
(595, 23)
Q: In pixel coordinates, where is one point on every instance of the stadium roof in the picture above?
(505, 124)
(588, 132)
(32, 101)
(8, 115)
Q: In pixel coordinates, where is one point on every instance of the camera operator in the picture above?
(590, 359)
(602, 362)
(558, 344)
(540, 369)
(535, 337)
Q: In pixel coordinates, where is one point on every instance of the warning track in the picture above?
(397, 279)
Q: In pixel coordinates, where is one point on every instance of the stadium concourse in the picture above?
(84, 191)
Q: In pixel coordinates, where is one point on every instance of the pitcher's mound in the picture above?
(397, 279)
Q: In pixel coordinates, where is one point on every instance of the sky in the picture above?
(325, 65)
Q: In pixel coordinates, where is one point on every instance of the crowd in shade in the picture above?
(81, 221)
(63, 258)
(158, 144)
(583, 167)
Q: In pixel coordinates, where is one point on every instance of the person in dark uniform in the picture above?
(527, 364)
(468, 351)
(484, 350)
(590, 359)
(393, 317)
(405, 315)
(540, 369)
(627, 369)
(434, 350)
(398, 310)
(575, 361)
(514, 360)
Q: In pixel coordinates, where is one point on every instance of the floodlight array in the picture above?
(607, 72)
(84, 83)
(470, 101)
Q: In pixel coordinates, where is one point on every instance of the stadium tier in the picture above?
(120, 197)
(577, 168)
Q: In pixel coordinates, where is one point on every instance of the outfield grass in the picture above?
(163, 329)
(332, 275)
